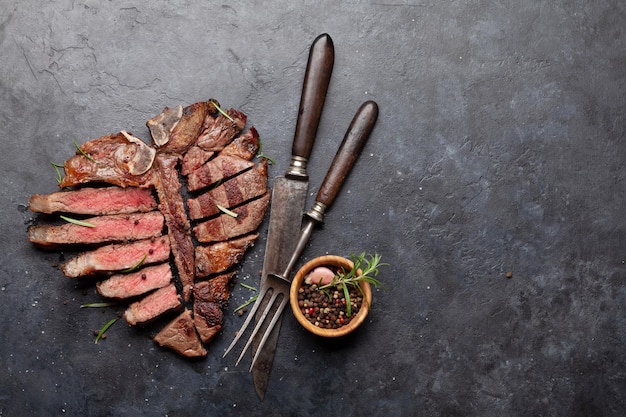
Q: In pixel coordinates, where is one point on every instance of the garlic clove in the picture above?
(320, 275)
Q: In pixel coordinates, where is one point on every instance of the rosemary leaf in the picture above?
(346, 294)
(105, 328)
(136, 266)
(247, 303)
(77, 222)
(56, 166)
(96, 305)
(219, 109)
(83, 152)
(267, 157)
(250, 287)
(260, 154)
(225, 210)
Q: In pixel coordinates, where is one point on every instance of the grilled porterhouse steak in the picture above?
(155, 230)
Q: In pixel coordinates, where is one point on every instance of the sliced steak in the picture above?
(153, 305)
(230, 193)
(245, 146)
(208, 318)
(173, 208)
(118, 257)
(210, 298)
(136, 283)
(221, 130)
(180, 336)
(115, 159)
(194, 159)
(218, 257)
(95, 201)
(215, 290)
(113, 228)
(184, 133)
(217, 169)
(225, 226)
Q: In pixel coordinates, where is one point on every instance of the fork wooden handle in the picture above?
(349, 150)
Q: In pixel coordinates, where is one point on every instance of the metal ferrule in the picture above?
(317, 212)
(297, 168)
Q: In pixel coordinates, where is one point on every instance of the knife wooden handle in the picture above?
(316, 79)
(349, 150)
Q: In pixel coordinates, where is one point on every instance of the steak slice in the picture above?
(218, 257)
(118, 257)
(244, 146)
(220, 131)
(117, 159)
(95, 201)
(173, 208)
(183, 134)
(215, 290)
(153, 305)
(210, 297)
(194, 159)
(233, 192)
(113, 228)
(223, 166)
(225, 226)
(208, 318)
(136, 283)
(180, 336)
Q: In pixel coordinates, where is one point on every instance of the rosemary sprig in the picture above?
(219, 109)
(260, 154)
(105, 328)
(77, 222)
(137, 265)
(225, 210)
(56, 166)
(83, 152)
(368, 264)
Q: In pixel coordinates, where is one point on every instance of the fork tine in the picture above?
(268, 307)
(241, 331)
(268, 331)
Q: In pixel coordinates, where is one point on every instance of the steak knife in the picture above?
(289, 192)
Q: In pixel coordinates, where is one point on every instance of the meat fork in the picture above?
(357, 134)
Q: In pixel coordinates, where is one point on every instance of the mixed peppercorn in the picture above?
(326, 308)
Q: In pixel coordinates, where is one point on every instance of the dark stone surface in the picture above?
(499, 148)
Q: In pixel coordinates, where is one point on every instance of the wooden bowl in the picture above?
(333, 261)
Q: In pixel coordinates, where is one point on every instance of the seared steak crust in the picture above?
(220, 256)
(245, 146)
(230, 193)
(225, 226)
(223, 166)
(210, 298)
(215, 290)
(220, 131)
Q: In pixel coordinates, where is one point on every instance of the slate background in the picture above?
(499, 147)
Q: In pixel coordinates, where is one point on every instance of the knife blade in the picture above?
(289, 192)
